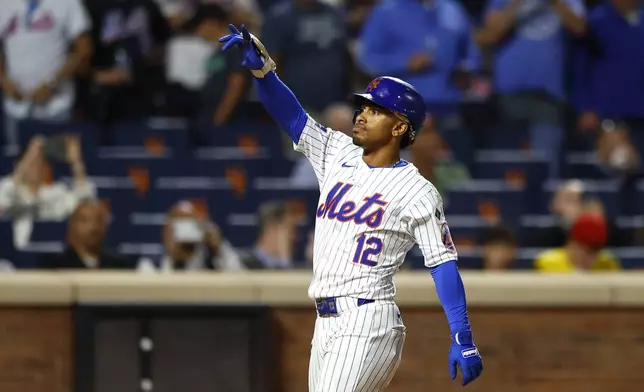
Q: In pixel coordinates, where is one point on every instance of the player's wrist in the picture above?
(463, 338)
(268, 63)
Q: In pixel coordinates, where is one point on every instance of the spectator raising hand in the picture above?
(25, 195)
(528, 38)
(74, 158)
(28, 171)
(73, 149)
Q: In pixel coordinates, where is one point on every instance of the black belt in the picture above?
(327, 306)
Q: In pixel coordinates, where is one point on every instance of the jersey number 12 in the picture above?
(367, 247)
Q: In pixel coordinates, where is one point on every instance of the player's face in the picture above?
(376, 127)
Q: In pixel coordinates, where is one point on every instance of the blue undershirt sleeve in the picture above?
(451, 293)
(282, 105)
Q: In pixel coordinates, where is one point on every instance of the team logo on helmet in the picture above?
(374, 83)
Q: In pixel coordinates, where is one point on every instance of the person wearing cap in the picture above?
(584, 250)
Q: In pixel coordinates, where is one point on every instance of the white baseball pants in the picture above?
(357, 350)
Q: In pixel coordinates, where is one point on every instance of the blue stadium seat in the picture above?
(121, 195)
(630, 258)
(216, 192)
(531, 225)
(467, 230)
(483, 197)
(268, 189)
(87, 132)
(144, 227)
(117, 161)
(49, 231)
(46, 238)
(501, 164)
(214, 162)
(500, 138)
(267, 135)
(211, 162)
(584, 165)
(241, 236)
(174, 133)
(7, 250)
(6, 164)
(468, 258)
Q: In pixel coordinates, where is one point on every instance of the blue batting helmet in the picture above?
(399, 97)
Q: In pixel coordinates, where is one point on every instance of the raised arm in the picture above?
(500, 19)
(277, 98)
(311, 138)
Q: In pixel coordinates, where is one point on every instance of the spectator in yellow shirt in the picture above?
(583, 250)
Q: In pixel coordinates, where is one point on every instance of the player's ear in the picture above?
(400, 128)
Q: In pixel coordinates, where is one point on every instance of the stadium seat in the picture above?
(584, 165)
(511, 165)
(487, 198)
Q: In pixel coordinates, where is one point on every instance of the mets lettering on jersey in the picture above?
(347, 211)
(368, 219)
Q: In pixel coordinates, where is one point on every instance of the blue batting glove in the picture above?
(252, 57)
(465, 354)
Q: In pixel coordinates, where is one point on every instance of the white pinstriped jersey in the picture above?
(368, 218)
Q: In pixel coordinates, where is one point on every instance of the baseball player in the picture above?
(373, 208)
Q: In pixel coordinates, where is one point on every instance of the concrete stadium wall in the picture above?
(536, 332)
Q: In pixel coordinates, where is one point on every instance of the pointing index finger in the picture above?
(233, 29)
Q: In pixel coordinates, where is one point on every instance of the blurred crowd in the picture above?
(555, 75)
